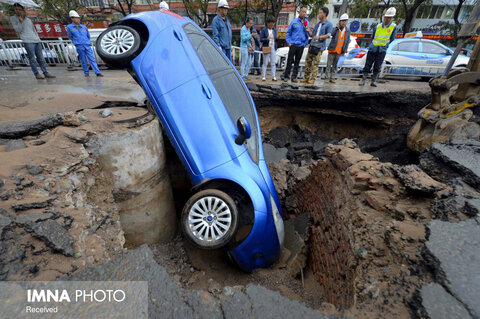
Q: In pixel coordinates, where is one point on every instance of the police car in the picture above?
(417, 56)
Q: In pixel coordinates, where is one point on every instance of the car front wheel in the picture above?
(209, 219)
(118, 45)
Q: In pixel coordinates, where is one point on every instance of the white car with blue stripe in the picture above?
(417, 56)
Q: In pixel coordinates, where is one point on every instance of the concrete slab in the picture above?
(25, 98)
(439, 304)
(168, 300)
(456, 247)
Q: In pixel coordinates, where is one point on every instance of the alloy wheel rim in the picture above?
(209, 219)
(117, 41)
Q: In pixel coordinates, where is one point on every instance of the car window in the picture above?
(407, 46)
(228, 84)
(428, 47)
(211, 58)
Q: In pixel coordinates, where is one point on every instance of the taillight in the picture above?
(360, 54)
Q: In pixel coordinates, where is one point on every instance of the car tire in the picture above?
(209, 219)
(118, 45)
(283, 63)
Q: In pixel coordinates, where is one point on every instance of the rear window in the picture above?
(227, 83)
(407, 46)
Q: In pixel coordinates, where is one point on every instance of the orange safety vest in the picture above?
(341, 40)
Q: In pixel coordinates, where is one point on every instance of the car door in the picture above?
(435, 54)
(405, 53)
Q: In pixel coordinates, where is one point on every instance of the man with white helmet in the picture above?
(382, 36)
(80, 37)
(222, 29)
(337, 47)
(164, 6)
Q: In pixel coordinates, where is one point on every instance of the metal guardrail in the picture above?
(54, 51)
(64, 52)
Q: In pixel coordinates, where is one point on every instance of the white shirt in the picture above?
(270, 34)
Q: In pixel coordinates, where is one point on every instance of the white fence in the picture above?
(54, 51)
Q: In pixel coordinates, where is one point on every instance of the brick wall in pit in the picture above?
(324, 195)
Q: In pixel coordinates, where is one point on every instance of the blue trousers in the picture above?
(35, 54)
(85, 53)
(228, 53)
(375, 59)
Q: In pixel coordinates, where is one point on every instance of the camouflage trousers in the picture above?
(311, 66)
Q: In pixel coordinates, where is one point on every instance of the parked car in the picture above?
(419, 56)
(355, 56)
(210, 117)
(15, 53)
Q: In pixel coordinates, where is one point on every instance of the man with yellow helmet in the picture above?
(382, 36)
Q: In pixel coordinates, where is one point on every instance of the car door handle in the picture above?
(206, 91)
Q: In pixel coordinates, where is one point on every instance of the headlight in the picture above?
(278, 221)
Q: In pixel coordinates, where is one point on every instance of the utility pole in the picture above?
(343, 8)
(246, 10)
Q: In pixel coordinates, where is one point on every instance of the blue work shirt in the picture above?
(382, 48)
(222, 32)
(297, 34)
(79, 35)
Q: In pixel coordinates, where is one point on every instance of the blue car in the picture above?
(211, 120)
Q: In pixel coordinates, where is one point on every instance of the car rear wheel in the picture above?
(209, 219)
(118, 45)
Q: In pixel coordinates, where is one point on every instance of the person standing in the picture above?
(321, 32)
(255, 57)
(382, 36)
(31, 41)
(337, 47)
(222, 30)
(245, 47)
(268, 38)
(297, 39)
(80, 37)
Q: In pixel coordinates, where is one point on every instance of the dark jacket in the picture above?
(264, 37)
(335, 36)
(327, 28)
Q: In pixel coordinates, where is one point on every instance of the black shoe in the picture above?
(100, 75)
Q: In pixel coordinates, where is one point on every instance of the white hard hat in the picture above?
(223, 4)
(391, 12)
(344, 17)
(164, 6)
(73, 14)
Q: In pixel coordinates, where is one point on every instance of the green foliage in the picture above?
(197, 10)
(8, 9)
(313, 6)
(59, 9)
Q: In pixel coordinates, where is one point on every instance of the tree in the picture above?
(197, 10)
(313, 6)
(409, 9)
(124, 6)
(59, 9)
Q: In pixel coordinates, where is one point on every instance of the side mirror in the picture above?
(449, 52)
(244, 130)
